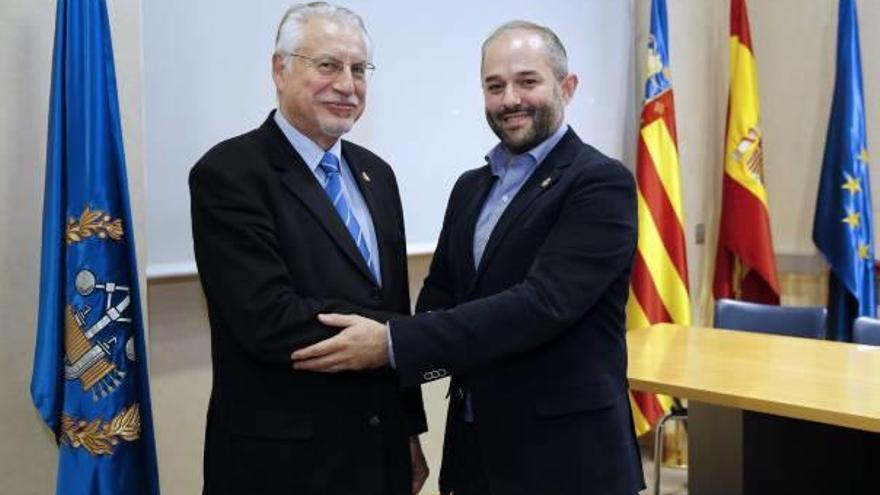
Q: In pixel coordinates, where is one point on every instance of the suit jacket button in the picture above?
(376, 294)
(375, 421)
(460, 393)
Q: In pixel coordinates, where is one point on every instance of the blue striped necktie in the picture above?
(330, 166)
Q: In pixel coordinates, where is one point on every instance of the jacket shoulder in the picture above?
(594, 163)
(470, 178)
(233, 156)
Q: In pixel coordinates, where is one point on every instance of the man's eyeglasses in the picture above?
(331, 67)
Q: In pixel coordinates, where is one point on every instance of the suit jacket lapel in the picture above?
(472, 208)
(299, 180)
(541, 180)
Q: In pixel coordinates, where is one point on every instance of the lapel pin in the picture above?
(365, 176)
(546, 182)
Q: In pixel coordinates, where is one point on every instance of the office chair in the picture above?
(808, 322)
(866, 331)
(676, 413)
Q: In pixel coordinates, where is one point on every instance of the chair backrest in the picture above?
(806, 322)
(866, 330)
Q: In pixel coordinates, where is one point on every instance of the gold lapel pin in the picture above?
(365, 176)
(546, 182)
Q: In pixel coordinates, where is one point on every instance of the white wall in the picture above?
(27, 455)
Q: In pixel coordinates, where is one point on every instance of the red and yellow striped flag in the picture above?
(659, 282)
(744, 266)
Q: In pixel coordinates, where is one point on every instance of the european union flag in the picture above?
(90, 380)
(843, 228)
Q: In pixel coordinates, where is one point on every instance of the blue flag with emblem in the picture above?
(843, 229)
(89, 380)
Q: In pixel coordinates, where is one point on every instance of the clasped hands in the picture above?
(362, 344)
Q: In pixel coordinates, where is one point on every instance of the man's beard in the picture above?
(335, 129)
(337, 126)
(542, 126)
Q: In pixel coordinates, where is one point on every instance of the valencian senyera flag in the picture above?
(744, 265)
(89, 380)
(843, 228)
(659, 281)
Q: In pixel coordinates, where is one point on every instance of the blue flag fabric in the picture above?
(843, 228)
(658, 59)
(89, 380)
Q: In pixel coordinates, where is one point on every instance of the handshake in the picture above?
(362, 344)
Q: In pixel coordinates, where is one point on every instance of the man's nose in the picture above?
(344, 81)
(510, 97)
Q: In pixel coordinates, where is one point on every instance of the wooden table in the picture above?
(758, 399)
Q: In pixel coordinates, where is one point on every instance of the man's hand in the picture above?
(419, 464)
(362, 344)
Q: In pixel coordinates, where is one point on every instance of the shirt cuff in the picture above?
(390, 346)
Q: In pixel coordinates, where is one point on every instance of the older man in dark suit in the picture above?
(289, 222)
(524, 304)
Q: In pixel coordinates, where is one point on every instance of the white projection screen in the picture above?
(207, 77)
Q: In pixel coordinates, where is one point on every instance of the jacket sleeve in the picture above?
(243, 275)
(437, 289)
(589, 246)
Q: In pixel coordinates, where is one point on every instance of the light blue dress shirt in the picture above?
(511, 172)
(311, 153)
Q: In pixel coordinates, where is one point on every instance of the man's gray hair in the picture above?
(290, 29)
(556, 55)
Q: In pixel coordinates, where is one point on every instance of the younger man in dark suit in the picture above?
(525, 300)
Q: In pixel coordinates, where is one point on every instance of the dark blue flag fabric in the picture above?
(89, 380)
(843, 229)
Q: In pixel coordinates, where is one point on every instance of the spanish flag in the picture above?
(659, 282)
(744, 265)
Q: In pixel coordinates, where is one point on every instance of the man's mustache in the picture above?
(516, 110)
(341, 101)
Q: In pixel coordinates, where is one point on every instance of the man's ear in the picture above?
(278, 68)
(569, 85)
